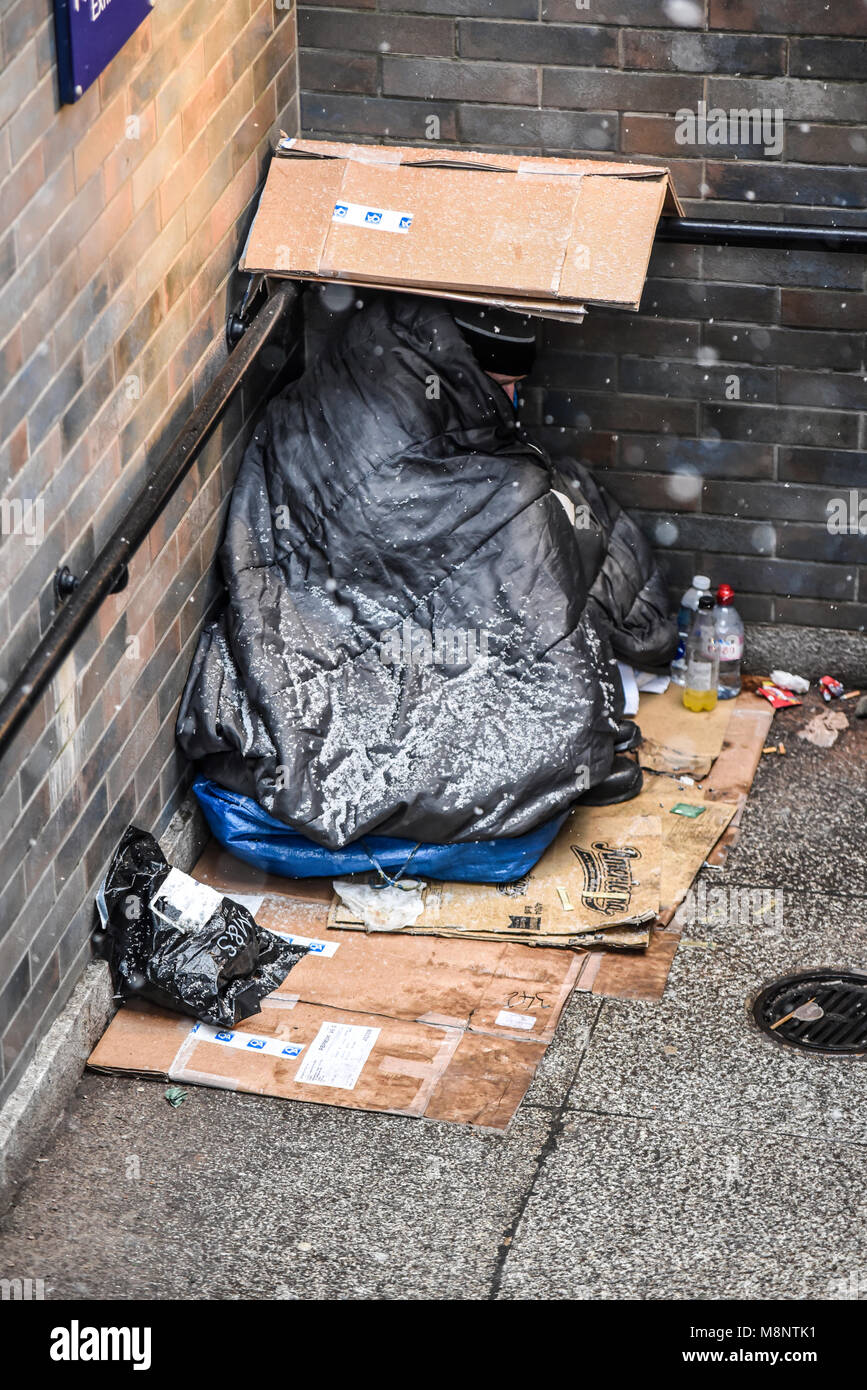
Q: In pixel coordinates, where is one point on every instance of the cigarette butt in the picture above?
(782, 748)
(850, 695)
(771, 748)
(564, 900)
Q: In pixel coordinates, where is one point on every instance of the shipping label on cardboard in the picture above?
(315, 946)
(337, 1055)
(507, 1019)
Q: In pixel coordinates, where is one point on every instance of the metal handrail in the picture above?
(99, 581)
(778, 236)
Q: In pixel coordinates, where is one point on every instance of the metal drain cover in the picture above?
(819, 1011)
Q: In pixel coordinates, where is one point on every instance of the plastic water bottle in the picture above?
(730, 636)
(702, 658)
(688, 605)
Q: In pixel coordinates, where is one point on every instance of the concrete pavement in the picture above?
(665, 1151)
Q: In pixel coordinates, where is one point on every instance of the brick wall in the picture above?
(121, 220)
(735, 484)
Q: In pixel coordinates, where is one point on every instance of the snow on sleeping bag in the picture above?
(419, 634)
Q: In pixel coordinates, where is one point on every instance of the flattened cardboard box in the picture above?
(554, 232)
(330, 1057)
(450, 1030)
(609, 873)
(681, 741)
(417, 1025)
(732, 774)
(601, 871)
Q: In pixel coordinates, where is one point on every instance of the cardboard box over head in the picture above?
(543, 235)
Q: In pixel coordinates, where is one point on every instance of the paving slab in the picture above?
(559, 1066)
(233, 1196)
(804, 823)
(697, 1056)
(661, 1209)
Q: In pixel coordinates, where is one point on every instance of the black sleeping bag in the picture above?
(423, 614)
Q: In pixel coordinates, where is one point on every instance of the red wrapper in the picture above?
(779, 698)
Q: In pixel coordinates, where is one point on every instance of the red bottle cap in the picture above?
(725, 595)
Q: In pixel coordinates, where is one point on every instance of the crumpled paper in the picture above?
(824, 728)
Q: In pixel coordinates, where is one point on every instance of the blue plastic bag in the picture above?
(242, 827)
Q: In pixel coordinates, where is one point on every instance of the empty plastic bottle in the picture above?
(702, 658)
(686, 612)
(730, 636)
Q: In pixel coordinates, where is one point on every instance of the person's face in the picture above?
(508, 383)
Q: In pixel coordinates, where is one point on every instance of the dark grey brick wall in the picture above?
(729, 413)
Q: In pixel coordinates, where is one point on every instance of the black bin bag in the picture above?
(181, 944)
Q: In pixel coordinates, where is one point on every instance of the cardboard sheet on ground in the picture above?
(678, 740)
(643, 974)
(686, 840)
(448, 1028)
(733, 771)
(451, 1030)
(601, 872)
(609, 873)
(331, 1057)
(546, 232)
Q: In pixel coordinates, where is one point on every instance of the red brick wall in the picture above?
(120, 221)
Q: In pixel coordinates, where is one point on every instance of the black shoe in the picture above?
(628, 736)
(623, 782)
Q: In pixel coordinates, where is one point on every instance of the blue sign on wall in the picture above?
(89, 34)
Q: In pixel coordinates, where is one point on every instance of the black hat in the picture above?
(501, 340)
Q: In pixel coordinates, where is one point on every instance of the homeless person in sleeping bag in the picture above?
(423, 613)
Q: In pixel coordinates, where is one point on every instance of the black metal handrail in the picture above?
(107, 569)
(778, 236)
(74, 615)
